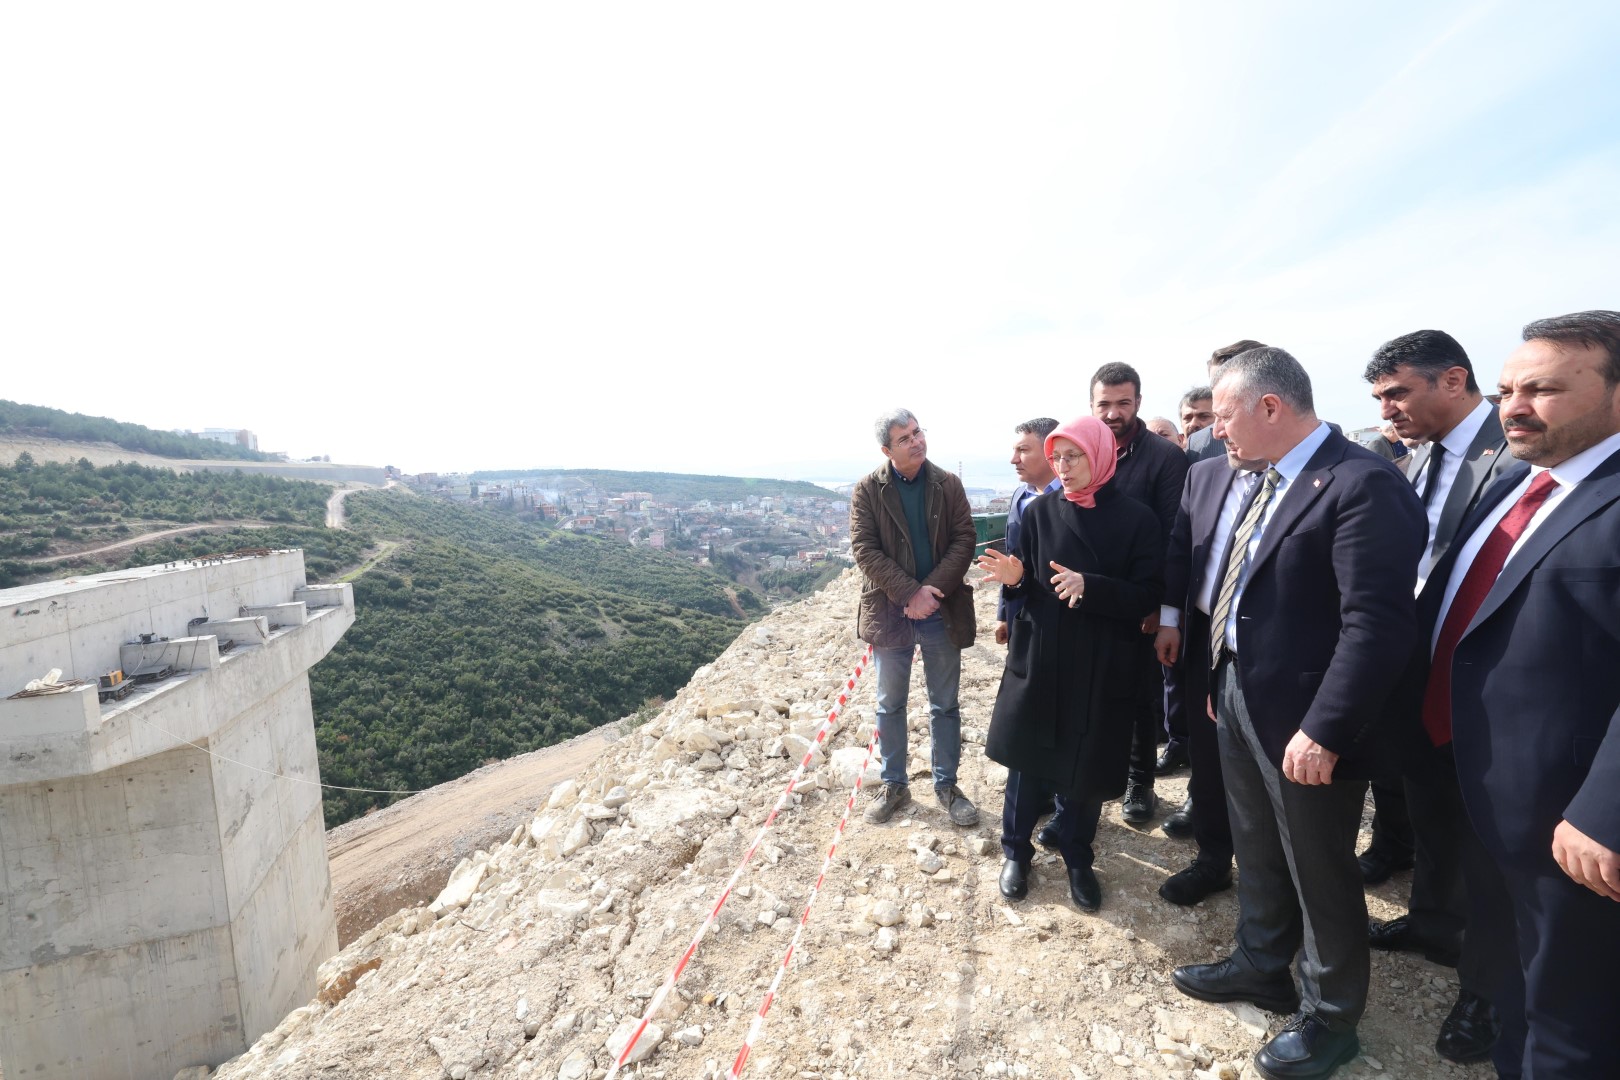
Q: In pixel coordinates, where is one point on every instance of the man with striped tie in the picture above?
(1312, 624)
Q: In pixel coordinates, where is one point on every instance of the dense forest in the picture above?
(677, 487)
(41, 422)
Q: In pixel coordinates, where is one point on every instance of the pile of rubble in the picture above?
(540, 956)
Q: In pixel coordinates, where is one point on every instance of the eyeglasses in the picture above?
(904, 442)
(1066, 461)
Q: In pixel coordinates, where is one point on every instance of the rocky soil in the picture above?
(541, 952)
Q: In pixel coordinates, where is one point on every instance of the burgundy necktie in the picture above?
(1476, 584)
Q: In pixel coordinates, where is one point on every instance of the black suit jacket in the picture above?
(1191, 540)
(1485, 460)
(1327, 620)
(1536, 677)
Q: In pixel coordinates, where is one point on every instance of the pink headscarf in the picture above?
(1096, 441)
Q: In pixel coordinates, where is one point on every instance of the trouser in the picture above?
(1075, 821)
(1392, 821)
(1299, 888)
(1148, 722)
(1458, 897)
(942, 672)
(1212, 828)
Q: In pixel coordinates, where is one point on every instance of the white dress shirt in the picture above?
(1456, 442)
(1566, 474)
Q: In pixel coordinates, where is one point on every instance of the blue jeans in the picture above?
(942, 671)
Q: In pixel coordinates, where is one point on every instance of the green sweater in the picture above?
(914, 500)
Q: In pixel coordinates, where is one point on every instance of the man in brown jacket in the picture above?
(912, 536)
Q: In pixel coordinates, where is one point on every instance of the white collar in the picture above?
(1461, 437)
(1295, 460)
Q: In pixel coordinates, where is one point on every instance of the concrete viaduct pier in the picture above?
(161, 904)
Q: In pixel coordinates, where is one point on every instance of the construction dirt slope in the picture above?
(542, 951)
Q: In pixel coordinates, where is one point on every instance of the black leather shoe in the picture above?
(1470, 1030)
(1014, 880)
(1195, 883)
(1397, 936)
(1171, 758)
(1180, 823)
(1224, 980)
(1047, 835)
(1139, 802)
(1084, 889)
(1376, 866)
(1306, 1049)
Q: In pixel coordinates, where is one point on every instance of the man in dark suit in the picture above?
(1202, 444)
(1211, 504)
(1525, 611)
(1425, 387)
(1312, 624)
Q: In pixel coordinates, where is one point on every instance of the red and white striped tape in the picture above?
(798, 774)
(758, 1023)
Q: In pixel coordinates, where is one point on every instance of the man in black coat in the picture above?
(1525, 617)
(1150, 470)
(1312, 625)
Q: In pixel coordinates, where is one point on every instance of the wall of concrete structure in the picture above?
(161, 904)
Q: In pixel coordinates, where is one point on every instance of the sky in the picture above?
(722, 238)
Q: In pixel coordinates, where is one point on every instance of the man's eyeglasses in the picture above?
(1066, 461)
(905, 442)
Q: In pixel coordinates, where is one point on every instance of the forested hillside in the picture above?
(481, 637)
(678, 487)
(37, 420)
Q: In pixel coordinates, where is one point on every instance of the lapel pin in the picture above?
(1488, 452)
(1317, 482)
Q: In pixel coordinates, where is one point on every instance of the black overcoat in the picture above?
(1068, 694)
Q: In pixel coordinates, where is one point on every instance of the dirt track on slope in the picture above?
(401, 856)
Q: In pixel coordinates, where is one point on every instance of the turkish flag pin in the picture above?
(1487, 453)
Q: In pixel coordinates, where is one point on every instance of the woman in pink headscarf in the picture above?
(1091, 570)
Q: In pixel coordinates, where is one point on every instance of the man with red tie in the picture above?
(1524, 621)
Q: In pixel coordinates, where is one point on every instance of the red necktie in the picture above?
(1476, 584)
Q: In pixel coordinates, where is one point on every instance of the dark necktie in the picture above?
(1431, 473)
(1476, 585)
(1236, 556)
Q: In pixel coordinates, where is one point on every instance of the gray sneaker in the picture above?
(951, 798)
(888, 799)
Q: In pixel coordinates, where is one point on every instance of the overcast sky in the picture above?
(722, 238)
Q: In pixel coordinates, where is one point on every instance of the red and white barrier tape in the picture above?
(657, 1001)
(758, 1023)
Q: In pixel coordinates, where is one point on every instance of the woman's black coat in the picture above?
(1073, 676)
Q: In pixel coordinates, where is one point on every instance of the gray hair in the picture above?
(1268, 370)
(1197, 393)
(1040, 427)
(889, 421)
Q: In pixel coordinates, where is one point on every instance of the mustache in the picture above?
(1519, 423)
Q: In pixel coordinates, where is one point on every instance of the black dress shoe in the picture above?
(1171, 758)
(1139, 802)
(1195, 883)
(1180, 823)
(1224, 980)
(1397, 935)
(1014, 880)
(1084, 889)
(1047, 835)
(1470, 1030)
(1376, 866)
(1306, 1049)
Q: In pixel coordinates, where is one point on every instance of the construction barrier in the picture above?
(674, 975)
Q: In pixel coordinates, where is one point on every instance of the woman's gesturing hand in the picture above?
(999, 566)
(1069, 584)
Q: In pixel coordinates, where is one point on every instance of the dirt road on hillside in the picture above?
(401, 856)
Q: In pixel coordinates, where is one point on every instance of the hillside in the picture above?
(680, 487)
(544, 950)
(38, 421)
